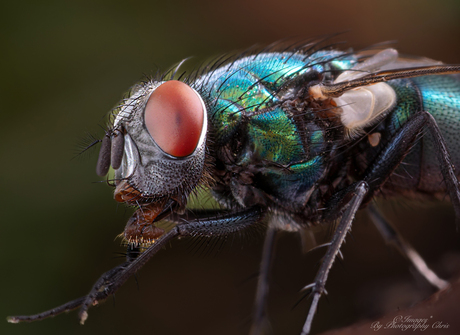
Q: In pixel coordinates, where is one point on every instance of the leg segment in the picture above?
(394, 153)
(358, 193)
(391, 236)
(113, 279)
(259, 319)
(447, 167)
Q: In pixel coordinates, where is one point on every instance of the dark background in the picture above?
(63, 66)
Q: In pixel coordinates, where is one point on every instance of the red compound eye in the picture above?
(174, 118)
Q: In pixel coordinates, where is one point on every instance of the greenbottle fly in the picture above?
(288, 137)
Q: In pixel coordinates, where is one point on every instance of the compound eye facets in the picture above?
(174, 117)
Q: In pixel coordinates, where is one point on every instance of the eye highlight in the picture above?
(174, 118)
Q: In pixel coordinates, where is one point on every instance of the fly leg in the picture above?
(357, 192)
(260, 303)
(112, 280)
(447, 167)
(106, 285)
(391, 236)
(374, 177)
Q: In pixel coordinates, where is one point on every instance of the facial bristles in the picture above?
(136, 242)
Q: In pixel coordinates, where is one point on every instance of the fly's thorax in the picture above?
(278, 158)
(164, 127)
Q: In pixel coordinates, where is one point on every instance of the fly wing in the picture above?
(372, 64)
(405, 61)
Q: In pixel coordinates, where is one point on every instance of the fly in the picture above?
(292, 138)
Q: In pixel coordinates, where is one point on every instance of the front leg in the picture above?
(112, 280)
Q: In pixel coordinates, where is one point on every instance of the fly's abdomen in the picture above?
(440, 96)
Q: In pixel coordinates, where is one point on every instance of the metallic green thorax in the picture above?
(245, 108)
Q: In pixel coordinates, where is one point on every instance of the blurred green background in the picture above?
(65, 64)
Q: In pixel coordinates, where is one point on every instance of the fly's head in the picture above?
(157, 148)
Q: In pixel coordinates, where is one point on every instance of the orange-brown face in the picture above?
(140, 229)
(126, 193)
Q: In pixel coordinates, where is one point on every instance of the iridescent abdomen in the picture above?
(440, 96)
